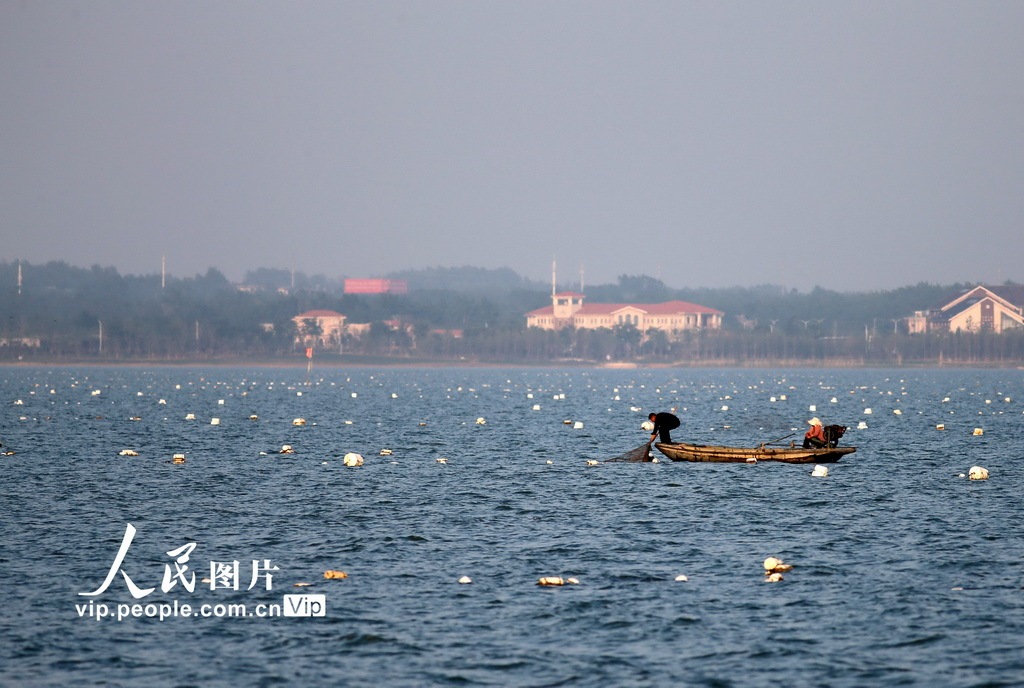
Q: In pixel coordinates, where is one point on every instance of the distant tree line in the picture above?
(458, 314)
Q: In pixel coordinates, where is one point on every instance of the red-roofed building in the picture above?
(568, 310)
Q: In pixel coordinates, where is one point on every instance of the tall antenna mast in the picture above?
(163, 272)
(19, 277)
(553, 276)
(581, 278)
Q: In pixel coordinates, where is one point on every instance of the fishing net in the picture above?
(638, 455)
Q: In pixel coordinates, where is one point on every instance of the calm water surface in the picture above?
(905, 573)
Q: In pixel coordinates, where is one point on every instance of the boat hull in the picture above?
(681, 451)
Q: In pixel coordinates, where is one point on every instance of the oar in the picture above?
(778, 440)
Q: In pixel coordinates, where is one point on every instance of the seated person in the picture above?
(815, 437)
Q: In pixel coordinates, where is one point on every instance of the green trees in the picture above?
(455, 316)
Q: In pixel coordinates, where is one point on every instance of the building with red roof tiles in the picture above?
(672, 317)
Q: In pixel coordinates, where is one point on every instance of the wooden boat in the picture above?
(681, 451)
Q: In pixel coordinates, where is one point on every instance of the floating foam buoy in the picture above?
(331, 574)
(178, 458)
(286, 449)
(135, 418)
(215, 421)
(773, 578)
(536, 407)
(301, 585)
(812, 408)
(940, 426)
(775, 565)
(385, 452)
(771, 399)
(162, 402)
(551, 580)
(782, 397)
(550, 462)
(254, 417)
(299, 421)
(442, 460)
(751, 459)
(423, 425)
(481, 421)
(897, 412)
(725, 408)
(394, 396)
(978, 431)
(867, 412)
(655, 460)
(566, 422)
(353, 459)
(833, 400)
(647, 425)
(681, 578)
(578, 425)
(128, 452)
(820, 471)
(572, 581)
(19, 402)
(862, 425)
(977, 473)
(354, 395)
(465, 580)
(220, 402)
(592, 462)
(190, 416)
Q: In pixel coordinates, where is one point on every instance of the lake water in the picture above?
(905, 573)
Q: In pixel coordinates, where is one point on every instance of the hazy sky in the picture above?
(849, 145)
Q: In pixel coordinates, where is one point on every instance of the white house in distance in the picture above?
(672, 317)
(988, 309)
(327, 327)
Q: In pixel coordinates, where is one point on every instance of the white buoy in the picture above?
(940, 426)
(592, 462)
(647, 425)
(442, 460)
(681, 578)
(465, 580)
(299, 421)
(862, 425)
(128, 452)
(551, 581)
(190, 416)
(536, 407)
(353, 459)
(725, 408)
(977, 473)
(897, 412)
(812, 408)
(820, 471)
(481, 421)
(578, 425)
(978, 432)
(867, 411)
(215, 421)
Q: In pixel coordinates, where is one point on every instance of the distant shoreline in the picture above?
(336, 362)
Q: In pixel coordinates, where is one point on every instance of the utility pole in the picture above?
(101, 335)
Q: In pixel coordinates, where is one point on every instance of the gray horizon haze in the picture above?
(854, 146)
